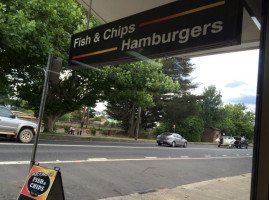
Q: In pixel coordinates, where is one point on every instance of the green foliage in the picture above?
(211, 104)
(55, 127)
(93, 131)
(97, 119)
(238, 120)
(117, 132)
(192, 129)
(105, 131)
(132, 86)
(65, 117)
(106, 123)
(163, 127)
(30, 30)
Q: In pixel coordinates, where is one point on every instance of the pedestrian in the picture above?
(71, 130)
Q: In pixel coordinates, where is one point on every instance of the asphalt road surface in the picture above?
(95, 170)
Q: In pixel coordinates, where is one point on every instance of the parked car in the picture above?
(11, 126)
(172, 139)
(225, 141)
(240, 142)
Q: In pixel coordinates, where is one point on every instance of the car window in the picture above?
(5, 112)
(166, 134)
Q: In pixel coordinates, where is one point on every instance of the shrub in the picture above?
(106, 123)
(105, 132)
(163, 127)
(93, 131)
(55, 128)
(117, 132)
(97, 119)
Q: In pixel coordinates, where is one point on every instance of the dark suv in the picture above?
(11, 126)
(240, 142)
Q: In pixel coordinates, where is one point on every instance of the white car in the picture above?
(225, 141)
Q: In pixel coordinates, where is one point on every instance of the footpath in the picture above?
(234, 188)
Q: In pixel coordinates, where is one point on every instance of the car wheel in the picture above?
(26, 135)
(240, 146)
(246, 146)
(173, 144)
(236, 147)
(185, 145)
(159, 144)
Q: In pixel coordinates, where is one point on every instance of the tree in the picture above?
(192, 128)
(210, 106)
(132, 86)
(32, 29)
(181, 104)
(238, 120)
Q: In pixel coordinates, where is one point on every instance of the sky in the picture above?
(233, 74)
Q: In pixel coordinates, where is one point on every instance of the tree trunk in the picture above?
(50, 120)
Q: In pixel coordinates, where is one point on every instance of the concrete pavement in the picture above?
(236, 188)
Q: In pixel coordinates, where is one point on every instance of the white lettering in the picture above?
(76, 42)
(196, 31)
(217, 27)
(205, 28)
(106, 37)
(154, 41)
(124, 31)
(143, 41)
(131, 28)
(184, 35)
(127, 44)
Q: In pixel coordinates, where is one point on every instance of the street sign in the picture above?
(42, 184)
(179, 27)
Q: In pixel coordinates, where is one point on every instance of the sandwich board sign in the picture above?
(178, 27)
(42, 184)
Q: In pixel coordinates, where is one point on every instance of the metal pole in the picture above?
(89, 14)
(41, 109)
(138, 123)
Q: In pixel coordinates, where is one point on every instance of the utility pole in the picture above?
(138, 123)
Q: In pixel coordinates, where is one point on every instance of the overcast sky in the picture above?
(233, 74)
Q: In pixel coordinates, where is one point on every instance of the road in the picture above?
(95, 169)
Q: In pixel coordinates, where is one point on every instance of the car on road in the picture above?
(11, 126)
(171, 139)
(240, 142)
(225, 141)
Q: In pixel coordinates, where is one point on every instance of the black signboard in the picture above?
(179, 27)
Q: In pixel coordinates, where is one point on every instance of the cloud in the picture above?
(235, 84)
(246, 99)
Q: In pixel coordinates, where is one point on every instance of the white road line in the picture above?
(184, 156)
(97, 159)
(151, 157)
(115, 160)
(103, 146)
(224, 155)
(207, 156)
